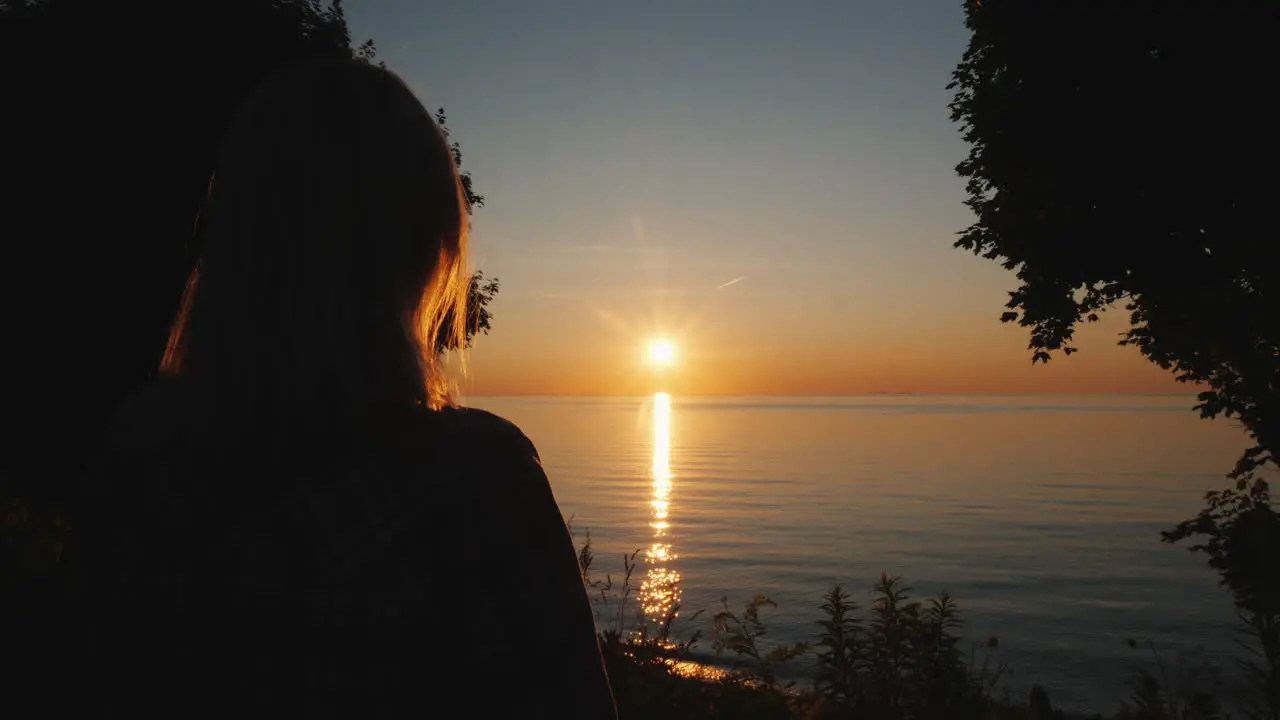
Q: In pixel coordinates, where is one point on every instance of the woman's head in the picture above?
(333, 246)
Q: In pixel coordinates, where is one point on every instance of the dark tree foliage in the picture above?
(1119, 155)
(481, 289)
(1239, 532)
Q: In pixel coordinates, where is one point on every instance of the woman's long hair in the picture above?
(333, 248)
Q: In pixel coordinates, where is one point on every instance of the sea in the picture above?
(1040, 515)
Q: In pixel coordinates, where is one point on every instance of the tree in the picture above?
(480, 290)
(1117, 157)
(1240, 531)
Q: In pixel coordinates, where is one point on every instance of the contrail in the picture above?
(734, 281)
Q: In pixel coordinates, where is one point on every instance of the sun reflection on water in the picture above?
(660, 592)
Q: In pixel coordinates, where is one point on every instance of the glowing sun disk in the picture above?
(662, 352)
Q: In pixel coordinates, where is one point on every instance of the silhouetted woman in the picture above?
(295, 521)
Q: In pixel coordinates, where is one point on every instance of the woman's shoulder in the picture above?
(172, 414)
(160, 407)
(483, 430)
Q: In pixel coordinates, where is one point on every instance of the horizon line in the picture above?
(844, 394)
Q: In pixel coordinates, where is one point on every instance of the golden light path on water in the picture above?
(660, 592)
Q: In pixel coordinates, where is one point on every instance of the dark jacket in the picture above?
(415, 567)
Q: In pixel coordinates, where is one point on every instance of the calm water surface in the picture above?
(1040, 514)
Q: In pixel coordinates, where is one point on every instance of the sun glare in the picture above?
(662, 352)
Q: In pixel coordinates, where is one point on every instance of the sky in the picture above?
(770, 185)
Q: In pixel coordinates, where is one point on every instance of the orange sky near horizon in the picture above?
(991, 362)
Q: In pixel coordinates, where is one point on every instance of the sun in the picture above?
(662, 352)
